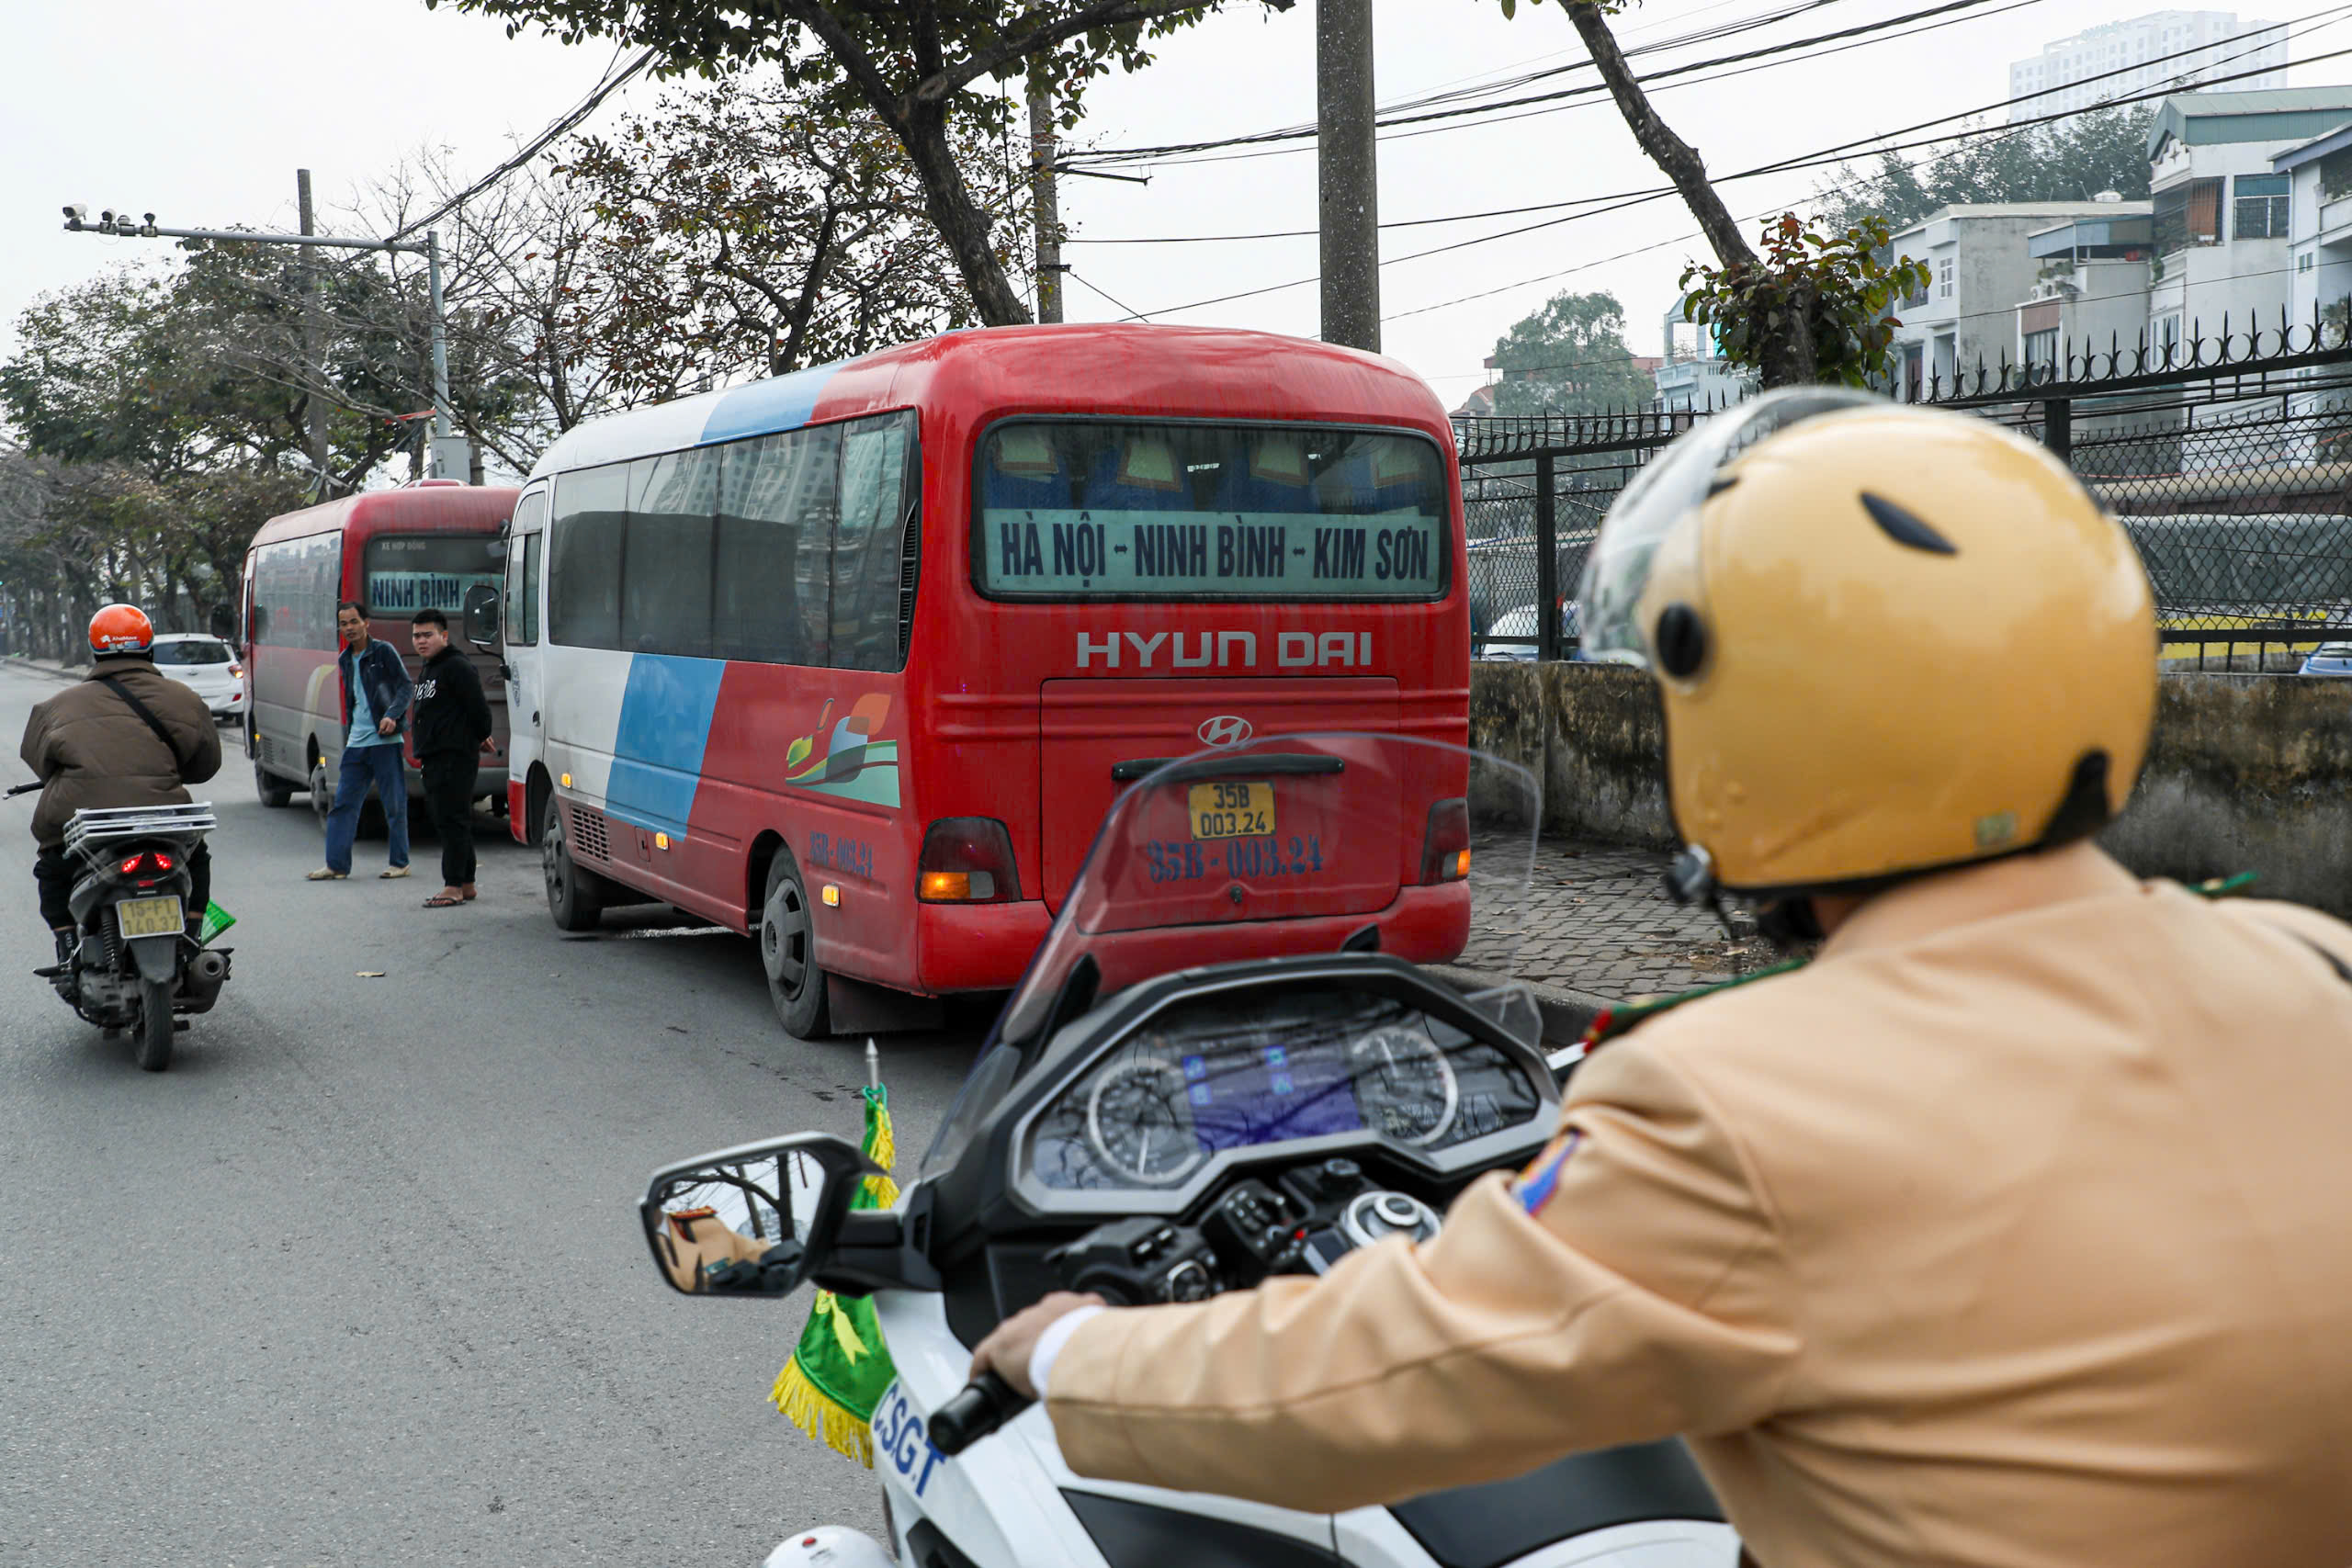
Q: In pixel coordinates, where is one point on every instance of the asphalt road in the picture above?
(358, 1279)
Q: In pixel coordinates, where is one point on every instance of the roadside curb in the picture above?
(42, 667)
(1568, 1013)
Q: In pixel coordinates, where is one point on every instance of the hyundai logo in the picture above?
(1225, 729)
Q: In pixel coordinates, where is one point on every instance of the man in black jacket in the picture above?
(452, 729)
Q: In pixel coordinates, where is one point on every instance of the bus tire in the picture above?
(575, 897)
(787, 952)
(275, 792)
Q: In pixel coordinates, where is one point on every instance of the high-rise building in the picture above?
(2120, 59)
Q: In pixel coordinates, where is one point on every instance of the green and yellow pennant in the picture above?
(829, 1387)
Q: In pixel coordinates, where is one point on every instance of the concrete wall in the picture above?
(2245, 773)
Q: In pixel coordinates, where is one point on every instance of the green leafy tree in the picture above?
(739, 230)
(1783, 309)
(916, 66)
(1569, 357)
(2070, 160)
(1814, 306)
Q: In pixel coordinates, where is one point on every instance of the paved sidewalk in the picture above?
(1600, 920)
(1600, 929)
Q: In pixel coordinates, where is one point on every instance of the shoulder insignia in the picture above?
(1625, 1017)
(2222, 886)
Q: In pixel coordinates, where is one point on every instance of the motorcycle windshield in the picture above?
(1282, 846)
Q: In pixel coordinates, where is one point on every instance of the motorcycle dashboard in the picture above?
(1214, 1079)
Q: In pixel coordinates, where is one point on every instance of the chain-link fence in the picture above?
(1526, 482)
(2228, 461)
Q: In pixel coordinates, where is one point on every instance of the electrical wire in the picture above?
(1178, 152)
(596, 95)
(1838, 152)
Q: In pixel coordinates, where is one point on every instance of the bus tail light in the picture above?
(967, 859)
(1445, 853)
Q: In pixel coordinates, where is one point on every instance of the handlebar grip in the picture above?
(987, 1402)
(25, 788)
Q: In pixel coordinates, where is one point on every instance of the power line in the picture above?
(1837, 153)
(1307, 131)
(1507, 211)
(586, 106)
(1177, 152)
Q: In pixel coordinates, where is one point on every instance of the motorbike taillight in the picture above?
(146, 860)
(131, 864)
(160, 861)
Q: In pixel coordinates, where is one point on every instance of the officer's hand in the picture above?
(1006, 1351)
(487, 747)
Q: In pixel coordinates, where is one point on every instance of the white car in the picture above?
(208, 666)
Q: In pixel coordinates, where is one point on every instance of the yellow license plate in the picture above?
(149, 917)
(1232, 810)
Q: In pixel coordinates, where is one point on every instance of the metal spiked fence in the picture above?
(2229, 459)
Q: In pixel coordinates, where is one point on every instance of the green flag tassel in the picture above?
(839, 1367)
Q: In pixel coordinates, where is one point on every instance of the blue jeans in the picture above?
(361, 766)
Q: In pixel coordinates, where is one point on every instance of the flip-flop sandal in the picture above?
(438, 902)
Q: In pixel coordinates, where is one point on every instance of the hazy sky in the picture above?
(201, 114)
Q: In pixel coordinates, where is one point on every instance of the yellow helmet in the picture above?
(1888, 641)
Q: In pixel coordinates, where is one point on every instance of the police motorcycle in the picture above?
(136, 968)
(1228, 1060)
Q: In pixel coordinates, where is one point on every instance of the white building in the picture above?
(2119, 59)
(2222, 212)
(1694, 375)
(2090, 291)
(1980, 264)
(2319, 237)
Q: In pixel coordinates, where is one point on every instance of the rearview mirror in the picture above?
(754, 1221)
(481, 616)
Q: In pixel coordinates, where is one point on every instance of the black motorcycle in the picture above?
(137, 968)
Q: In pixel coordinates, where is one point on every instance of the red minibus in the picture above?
(435, 544)
(852, 661)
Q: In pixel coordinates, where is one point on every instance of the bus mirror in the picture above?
(222, 622)
(481, 616)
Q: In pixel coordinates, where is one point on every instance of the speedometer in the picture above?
(1139, 1122)
(1405, 1085)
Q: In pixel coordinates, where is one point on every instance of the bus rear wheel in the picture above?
(275, 792)
(787, 951)
(575, 897)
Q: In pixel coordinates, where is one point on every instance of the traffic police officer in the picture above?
(2011, 1231)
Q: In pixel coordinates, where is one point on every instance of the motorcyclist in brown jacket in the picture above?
(93, 751)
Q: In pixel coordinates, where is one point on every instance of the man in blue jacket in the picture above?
(376, 691)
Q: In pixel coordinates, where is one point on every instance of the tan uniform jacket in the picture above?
(95, 753)
(2015, 1230)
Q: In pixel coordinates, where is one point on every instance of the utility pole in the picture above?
(1044, 202)
(1346, 173)
(314, 406)
(450, 453)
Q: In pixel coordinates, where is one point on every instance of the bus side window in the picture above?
(519, 616)
(868, 543)
(666, 594)
(772, 591)
(584, 569)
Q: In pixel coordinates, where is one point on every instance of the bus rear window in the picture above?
(1075, 509)
(404, 573)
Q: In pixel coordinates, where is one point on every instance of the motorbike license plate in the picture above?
(149, 917)
(1232, 810)
(899, 1442)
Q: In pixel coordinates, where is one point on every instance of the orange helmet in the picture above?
(122, 628)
